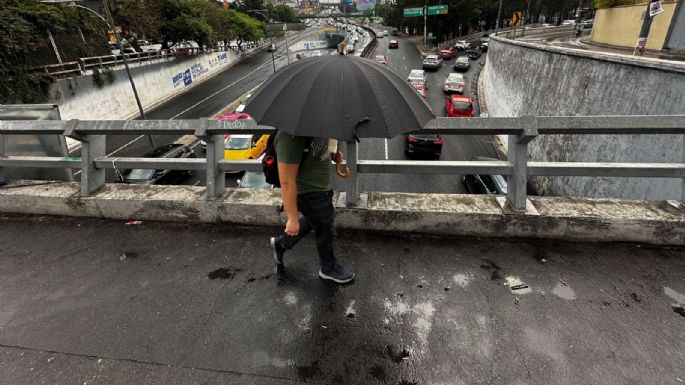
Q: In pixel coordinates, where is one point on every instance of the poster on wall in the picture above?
(187, 77)
(223, 58)
(655, 8)
(364, 5)
(177, 79)
(198, 69)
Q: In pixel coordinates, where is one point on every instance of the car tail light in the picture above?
(412, 139)
(439, 141)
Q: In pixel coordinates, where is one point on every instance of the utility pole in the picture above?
(128, 70)
(644, 31)
(525, 18)
(425, 27)
(499, 13)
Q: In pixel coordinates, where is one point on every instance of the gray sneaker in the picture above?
(336, 273)
(278, 252)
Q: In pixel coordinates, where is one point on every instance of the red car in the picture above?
(447, 54)
(382, 59)
(459, 106)
(393, 44)
(421, 88)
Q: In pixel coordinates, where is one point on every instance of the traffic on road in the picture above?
(445, 79)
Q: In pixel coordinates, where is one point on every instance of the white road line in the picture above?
(386, 148)
(196, 183)
(193, 106)
(405, 68)
(403, 58)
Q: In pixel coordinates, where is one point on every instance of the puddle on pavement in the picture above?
(493, 268)
(397, 357)
(223, 273)
(564, 291)
(679, 309)
(308, 372)
(378, 373)
(260, 278)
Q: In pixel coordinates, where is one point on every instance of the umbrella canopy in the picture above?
(340, 97)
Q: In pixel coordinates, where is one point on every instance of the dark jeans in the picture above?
(318, 214)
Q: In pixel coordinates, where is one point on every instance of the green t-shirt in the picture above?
(315, 173)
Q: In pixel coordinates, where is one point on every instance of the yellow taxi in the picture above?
(241, 147)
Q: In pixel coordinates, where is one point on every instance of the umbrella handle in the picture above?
(340, 172)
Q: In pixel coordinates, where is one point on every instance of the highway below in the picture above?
(402, 60)
(210, 97)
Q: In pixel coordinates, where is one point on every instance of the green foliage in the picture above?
(24, 26)
(245, 27)
(283, 13)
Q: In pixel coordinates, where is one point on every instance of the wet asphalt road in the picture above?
(99, 302)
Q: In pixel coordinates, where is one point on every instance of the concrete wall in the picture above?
(81, 98)
(594, 220)
(531, 79)
(620, 26)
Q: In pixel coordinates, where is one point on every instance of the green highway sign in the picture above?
(412, 12)
(437, 10)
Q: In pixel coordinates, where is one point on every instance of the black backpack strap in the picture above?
(307, 148)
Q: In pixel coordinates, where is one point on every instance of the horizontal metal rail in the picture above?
(520, 131)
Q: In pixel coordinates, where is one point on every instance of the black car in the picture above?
(474, 53)
(394, 32)
(424, 145)
(489, 184)
(152, 176)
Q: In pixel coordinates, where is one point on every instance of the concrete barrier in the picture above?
(595, 220)
(531, 79)
(81, 98)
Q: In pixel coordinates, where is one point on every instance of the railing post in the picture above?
(352, 193)
(92, 178)
(682, 184)
(216, 179)
(518, 156)
(3, 177)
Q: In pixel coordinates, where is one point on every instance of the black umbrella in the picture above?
(340, 97)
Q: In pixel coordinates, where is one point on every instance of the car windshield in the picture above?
(455, 78)
(140, 174)
(416, 75)
(431, 58)
(463, 59)
(238, 143)
(254, 180)
(461, 105)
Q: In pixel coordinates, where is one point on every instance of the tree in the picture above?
(282, 13)
(245, 27)
(183, 20)
(24, 45)
(138, 18)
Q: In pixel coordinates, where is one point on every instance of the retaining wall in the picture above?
(620, 26)
(81, 98)
(532, 79)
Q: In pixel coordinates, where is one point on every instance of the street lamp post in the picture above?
(499, 13)
(271, 37)
(110, 25)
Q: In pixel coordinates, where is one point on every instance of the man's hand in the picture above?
(338, 157)
(292, 227)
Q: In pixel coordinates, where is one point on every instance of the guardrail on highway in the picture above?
(521, 131)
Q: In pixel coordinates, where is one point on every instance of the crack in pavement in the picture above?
(150, 363)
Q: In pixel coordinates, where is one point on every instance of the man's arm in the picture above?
(287, 174)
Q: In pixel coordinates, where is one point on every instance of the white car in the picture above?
(568, 22)
(417, 76)
(454, 83)
(316, 53)
(385, 33)
(462, 44)
(243, 102)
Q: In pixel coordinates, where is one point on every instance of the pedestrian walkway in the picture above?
(88, 301)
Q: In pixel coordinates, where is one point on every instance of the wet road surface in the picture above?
(98, 302)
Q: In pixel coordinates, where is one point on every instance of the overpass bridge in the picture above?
(451, 288)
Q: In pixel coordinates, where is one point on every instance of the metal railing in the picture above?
(520, 130)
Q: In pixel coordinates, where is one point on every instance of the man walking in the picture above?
(304, 168)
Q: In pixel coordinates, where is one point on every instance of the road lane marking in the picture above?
(386, 148)
(405, 68)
